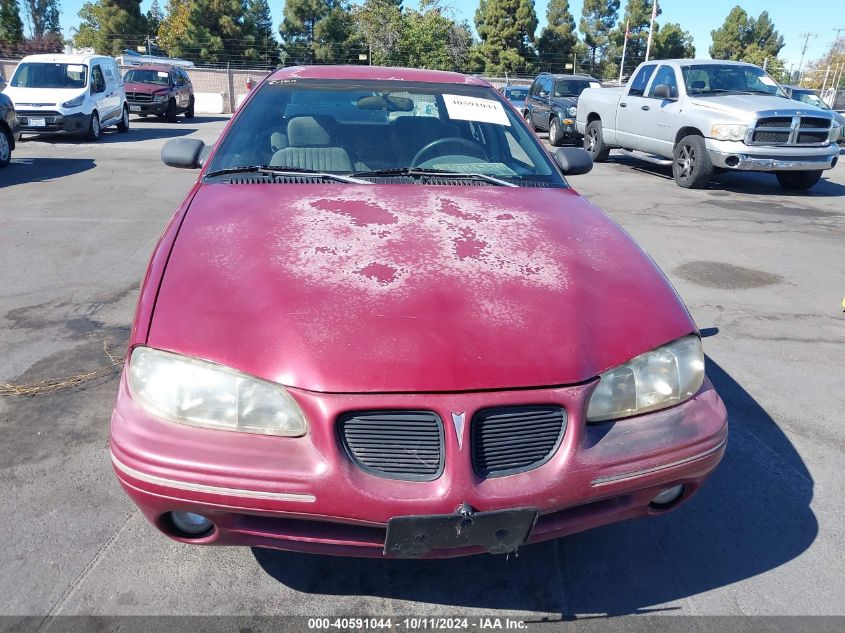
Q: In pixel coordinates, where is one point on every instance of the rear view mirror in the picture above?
(573, 161)
(185, 153)
(386, 103)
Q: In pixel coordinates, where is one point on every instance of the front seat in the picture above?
(310, 147)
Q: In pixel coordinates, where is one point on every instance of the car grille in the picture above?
(51, 117)
(395, 444)
(791, 131)
(139, 97)
(508, 440)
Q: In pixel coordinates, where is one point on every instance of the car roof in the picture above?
(376, 73)
(699, 62)
(580, 77)
(62, 58)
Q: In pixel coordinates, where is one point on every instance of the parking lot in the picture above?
(762, 271)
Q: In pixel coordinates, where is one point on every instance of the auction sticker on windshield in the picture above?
(463, 108)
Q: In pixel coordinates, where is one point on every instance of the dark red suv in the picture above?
(164, 91)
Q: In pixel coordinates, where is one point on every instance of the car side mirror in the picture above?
(573, 161)
(543, 94)
(185, 153)
(663, 91)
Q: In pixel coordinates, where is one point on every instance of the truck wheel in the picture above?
(94, 130)
(5, 148)
(123, 124)
(170, 113)
(189, 113)
(555, 135)
(798, 180)
(594, 142)
(691, 164)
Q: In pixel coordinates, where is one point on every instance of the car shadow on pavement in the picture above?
(135, 134)
(749, 182)
(752, 516)
(26, 170)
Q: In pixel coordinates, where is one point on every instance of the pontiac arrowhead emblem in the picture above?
(458, 421)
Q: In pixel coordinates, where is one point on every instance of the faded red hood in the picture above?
(409, 288)
(131, 86)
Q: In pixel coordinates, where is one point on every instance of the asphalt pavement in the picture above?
(762, 271)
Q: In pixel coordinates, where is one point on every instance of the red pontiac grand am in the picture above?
(382, 324)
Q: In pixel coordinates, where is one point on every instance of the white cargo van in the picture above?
(71, 94)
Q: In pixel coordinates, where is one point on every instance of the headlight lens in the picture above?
(75, 102)
(159, 98)
(572, 111)
(655, 380)
(835, 131)
(199, 393)
(728, 132)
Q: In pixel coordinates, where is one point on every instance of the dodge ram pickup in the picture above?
(700, 116)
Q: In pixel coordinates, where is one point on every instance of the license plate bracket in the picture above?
(37, 122)
(134, 108)
(498, 531)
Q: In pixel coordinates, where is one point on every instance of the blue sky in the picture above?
(699, 17)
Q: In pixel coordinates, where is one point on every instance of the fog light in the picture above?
(668, 496)
(190, 523)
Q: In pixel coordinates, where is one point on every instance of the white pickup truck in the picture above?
(706, 115)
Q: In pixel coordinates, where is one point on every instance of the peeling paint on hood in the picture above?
(409, 288)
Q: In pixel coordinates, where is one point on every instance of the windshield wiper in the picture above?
(281, 170)
(437, 173)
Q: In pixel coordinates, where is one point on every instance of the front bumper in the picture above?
(304, 494)
(55, 123)
(739, 156)
(147, 107)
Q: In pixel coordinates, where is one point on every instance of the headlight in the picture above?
(654, 380)
(199, 393)
(159, 98)
(572, 110)
(835, 131)
(726, 132)
(75, 102)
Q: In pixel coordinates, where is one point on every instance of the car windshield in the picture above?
(516, 93)
(809, 97)
(50, 75)
(147, 76)
(570, 87)
(363, 127)
(714, 79)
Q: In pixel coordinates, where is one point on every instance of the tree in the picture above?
(155, 16)
(336, 39)
(258, 22)
(822, 72)
(506, 29)
(298, 28)
(557, 41)
(11, 27)
(672, 42)
(742, 38)
(174, 27)
(216, 32)
(432, 39)
(379, 24)
(43, 16)
(110, 26)
(638, 18)
(597, 20)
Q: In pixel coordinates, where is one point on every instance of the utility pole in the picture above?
(806, 37)
(651, 28)
(624, 48)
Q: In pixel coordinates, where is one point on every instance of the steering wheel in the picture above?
(474, 149)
